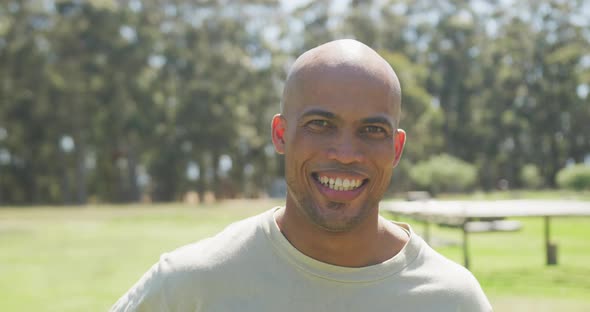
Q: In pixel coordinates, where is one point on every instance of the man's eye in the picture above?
(318, 124)
(373, 129)
(374, 132)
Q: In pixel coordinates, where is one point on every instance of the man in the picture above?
(327, 249)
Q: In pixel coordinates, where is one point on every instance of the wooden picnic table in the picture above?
(465, 212)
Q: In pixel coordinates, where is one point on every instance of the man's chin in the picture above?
(332, 217)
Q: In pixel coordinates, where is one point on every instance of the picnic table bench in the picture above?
(487, 216)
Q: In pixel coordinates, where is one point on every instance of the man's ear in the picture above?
(278, 133)
(399, 142)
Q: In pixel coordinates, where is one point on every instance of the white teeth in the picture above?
(340, 184)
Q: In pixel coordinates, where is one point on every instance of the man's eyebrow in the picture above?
(319, 112)
(378, 120)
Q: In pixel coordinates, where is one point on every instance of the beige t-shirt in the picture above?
(250, 266)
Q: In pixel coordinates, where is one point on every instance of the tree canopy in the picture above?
(118, 100)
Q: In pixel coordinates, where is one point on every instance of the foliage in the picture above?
(114, 101)
(576, 177)
(141, 90)
(531, 176)
(444, 173)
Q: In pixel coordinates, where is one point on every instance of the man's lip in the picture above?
(343, 174)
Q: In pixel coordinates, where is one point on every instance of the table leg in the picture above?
(550, 249)
(465, 248)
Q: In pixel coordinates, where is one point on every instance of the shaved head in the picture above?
(340, 59)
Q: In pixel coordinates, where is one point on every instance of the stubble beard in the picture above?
(335, 222)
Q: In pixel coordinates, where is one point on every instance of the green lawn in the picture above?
(83, 259)
(511, 266)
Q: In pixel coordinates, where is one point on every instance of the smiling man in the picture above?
(327, 249)
(338, 131)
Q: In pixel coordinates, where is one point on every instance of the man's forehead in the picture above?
(341, 85)
(322, 77)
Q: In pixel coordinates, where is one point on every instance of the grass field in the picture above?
(84, 258)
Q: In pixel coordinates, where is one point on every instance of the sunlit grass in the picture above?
(84, 258)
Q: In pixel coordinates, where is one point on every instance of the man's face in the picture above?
(341, 144)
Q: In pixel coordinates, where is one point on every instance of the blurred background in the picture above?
(154, 101)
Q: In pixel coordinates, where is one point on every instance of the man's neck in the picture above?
(371, 242)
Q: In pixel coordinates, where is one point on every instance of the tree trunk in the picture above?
(81, 192)
(133, 190)
(216, 179)
(201, 184)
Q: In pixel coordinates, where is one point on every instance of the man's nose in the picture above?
(346, 149)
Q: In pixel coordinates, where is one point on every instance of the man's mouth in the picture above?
(339, 183)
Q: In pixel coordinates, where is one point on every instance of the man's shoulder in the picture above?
(444, 269)
(182, 277)
(231, 242)
(200, 265)
(440, 276)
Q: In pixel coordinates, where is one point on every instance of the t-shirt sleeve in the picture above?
(474, 299)
(148, 294)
